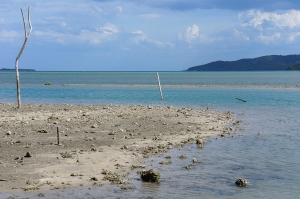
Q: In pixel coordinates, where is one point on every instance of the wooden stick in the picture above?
(161, 96)
(20, 53)
(57, 136)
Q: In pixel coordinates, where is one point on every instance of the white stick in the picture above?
(20, 53)
(161, 96)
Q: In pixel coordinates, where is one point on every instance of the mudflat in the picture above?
(46, 147)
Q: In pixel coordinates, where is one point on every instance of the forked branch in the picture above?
(21, 51)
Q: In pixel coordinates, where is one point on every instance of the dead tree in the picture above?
(21, 51)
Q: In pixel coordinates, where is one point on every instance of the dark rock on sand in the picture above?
(94, 179)
(42, 131)
(28, 155)
(150, 176)
(66, 155)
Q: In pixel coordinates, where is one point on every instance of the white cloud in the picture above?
(53, 36)
(108, 29)
(141, 38)
(119, 9)
(191, 33)
(8, 35)
(98, 9)
(150, 15)
(257, 18)
(2, 21)
(239, 34)
(293, 36)
(102, 34)
(63, 24)
(269, 38)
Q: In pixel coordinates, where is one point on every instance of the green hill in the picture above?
(294, 67)
(264, 63)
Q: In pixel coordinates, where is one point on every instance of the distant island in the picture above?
(24, 70)
(264, 63)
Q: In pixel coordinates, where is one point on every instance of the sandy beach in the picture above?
(98, 144)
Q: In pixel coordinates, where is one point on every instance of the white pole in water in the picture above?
(161, 96)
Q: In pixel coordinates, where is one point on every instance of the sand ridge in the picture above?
(99, 144)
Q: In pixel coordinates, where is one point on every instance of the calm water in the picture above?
(270, 161)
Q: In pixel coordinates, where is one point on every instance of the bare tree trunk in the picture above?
(20, 53)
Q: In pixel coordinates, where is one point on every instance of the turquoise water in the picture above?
(270, 161)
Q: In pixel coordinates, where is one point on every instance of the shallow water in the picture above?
(268, 161)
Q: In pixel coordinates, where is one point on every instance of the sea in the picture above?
(265, 151)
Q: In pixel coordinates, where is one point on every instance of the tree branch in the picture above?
(21, 51)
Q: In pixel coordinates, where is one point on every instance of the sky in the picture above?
(145, 35)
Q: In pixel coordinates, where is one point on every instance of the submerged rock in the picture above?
(165, 162)
(48, 83)
(241, 182)
(200, 141)
(150, 176)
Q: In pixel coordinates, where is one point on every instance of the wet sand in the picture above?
(98, 144)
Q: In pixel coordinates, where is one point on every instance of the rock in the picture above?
(259, 133)
(66, 155)
(138, 166)
(48, 84)
(150, 176)
(165, 162)
(200, 141)
(8, 133)
(94, 126)
(195, 160)
(189, 166)
(182, 156)
(125, 187)
(241, 182)
(94, 179)
(42, 131)
(28, 155)
(17, 158)
(41, 195)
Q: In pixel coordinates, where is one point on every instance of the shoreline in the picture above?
(100, 144)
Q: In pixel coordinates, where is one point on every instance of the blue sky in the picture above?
(145, 35)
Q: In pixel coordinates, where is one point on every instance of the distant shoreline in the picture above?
(9, 69)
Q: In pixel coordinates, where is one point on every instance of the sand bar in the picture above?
(99, 144)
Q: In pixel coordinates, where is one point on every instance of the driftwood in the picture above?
(21, 51)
